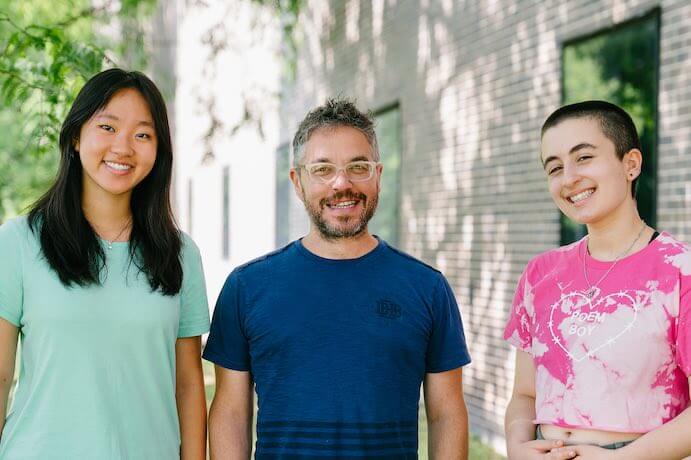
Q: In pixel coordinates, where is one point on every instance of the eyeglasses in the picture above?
(355, 171)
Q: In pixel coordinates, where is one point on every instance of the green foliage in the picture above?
(49, 50)
(480, 451)
(41, 70)
(288, 12)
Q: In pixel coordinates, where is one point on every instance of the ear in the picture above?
(75, 144)
(378, 171)
(297, 185)
(633, 162)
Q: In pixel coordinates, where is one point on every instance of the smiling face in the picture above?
(586, 179)
(341, 208)
(117, 146)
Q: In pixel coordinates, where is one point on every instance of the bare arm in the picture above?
(447, 416)
(190, 398)
(8, 352)
(520, 413)
(230, 417)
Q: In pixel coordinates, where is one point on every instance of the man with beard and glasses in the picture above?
(337, 331)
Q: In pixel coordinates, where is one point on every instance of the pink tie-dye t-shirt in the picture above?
(620, 360)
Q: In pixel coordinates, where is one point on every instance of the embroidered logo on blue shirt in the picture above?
(387, 309)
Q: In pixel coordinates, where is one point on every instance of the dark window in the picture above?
(226, 212)
(385, 220)
(283, 192)
(620, 65)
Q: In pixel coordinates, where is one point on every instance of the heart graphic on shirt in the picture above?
(584, 316)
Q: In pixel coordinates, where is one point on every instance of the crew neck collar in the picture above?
(606, 264)
(381, 244)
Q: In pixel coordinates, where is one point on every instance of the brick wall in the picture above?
(475, 80)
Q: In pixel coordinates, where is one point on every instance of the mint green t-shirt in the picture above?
(97, 377)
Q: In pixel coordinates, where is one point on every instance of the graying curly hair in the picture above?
(333, 113)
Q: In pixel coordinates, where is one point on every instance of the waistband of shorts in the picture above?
(611, 446)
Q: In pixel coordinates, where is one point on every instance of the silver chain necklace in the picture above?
(110, 242)
(592, 288)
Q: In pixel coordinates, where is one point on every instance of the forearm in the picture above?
(448, 437)
(518, 423)
(671, 441)
(4, 394)
(230, 433)
(191, 404)
(6, 380)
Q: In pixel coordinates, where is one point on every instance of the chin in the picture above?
(586, 219)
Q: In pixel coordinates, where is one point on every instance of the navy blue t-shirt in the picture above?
(337, 349)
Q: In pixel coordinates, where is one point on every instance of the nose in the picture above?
(122, 144)
(571, 175)
(341, 180)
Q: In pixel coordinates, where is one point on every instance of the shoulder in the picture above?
(187, 245)
(17, 225)
(189, 255)
(408, 261)
(268, 262)
(674, 252)
(667, 242)
(18, 244)
(405, 267)
(190, 258)
(548, 261)
(15, 230)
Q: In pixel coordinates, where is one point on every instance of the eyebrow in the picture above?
(357, 158)
(574, 149)
(114, 118)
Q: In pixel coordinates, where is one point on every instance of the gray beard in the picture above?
(332, 232)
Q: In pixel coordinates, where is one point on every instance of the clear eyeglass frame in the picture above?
(355, 171)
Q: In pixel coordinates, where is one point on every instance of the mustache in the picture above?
(343, 195)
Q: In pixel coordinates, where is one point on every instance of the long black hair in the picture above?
(69, 243)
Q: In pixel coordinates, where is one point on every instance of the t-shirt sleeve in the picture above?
(683, 340)
(194, 306)
(227, 345)
(447, 348)
(518, 331)
(11, 290)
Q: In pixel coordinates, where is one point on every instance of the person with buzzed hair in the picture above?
(337, 331)
(602, 326)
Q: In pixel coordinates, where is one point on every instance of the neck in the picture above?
(341, 248)
(608, 238)
(106, 213)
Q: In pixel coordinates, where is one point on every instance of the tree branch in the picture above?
(24, 81)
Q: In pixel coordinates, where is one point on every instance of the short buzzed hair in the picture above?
(615, 123)
(335, 112)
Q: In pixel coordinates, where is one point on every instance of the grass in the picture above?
(478, 450)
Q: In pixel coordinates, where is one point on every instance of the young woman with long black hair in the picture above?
(105, 292)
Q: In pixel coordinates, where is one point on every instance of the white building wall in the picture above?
(227, 63)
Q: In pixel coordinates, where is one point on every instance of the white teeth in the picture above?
(118, 166)
(581, 196)
(344, 204)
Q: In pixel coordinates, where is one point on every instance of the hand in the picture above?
(541, 450)
(586, 452)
